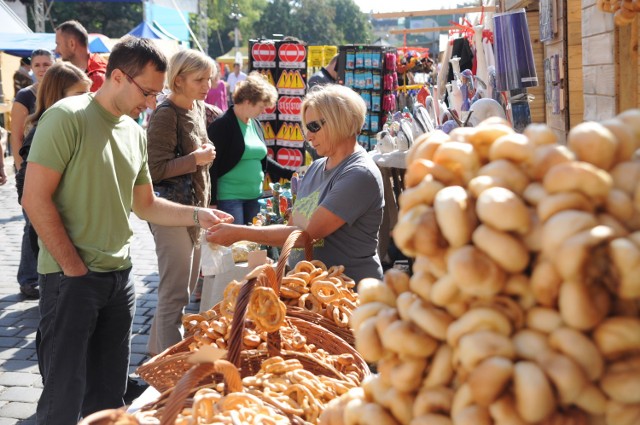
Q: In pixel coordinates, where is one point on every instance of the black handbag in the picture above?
(177, 189)
(180, 188)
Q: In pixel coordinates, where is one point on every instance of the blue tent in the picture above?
(146, 30)
(23, 44)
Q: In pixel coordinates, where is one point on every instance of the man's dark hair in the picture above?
(132, 54)
(76, 30)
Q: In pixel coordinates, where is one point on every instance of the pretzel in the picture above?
(304, 266)
(294, 281)
(305, 399)
(325, 291)
(289, 294)
(266, 310)
(340, 312)
(189, 321)
(319, 264)
(251, 340)
(310, 302)
(203, 405)
(335, 271)
(230, 296)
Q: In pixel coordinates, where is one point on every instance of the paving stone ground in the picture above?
(20, 383)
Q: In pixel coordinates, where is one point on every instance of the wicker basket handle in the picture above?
(288, 245)
(175, 402)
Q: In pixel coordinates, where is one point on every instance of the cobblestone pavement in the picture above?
(20, 382)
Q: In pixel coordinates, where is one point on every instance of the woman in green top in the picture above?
(241, 154)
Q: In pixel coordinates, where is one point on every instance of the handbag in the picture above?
(176, 189)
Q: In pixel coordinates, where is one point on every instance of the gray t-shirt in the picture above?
(353, 191)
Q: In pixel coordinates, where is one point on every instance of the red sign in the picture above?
(290, 105)
(270, 152)
(270, 110)
(290, 157)
(295, 105)
(289, 52)
(263, 52)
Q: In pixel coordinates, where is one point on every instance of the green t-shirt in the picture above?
(244, 181)
(101, 157)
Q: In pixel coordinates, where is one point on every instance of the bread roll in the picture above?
(593, 143)
(578, 176)
(507, 251)
(475, 273)
(513, 147)
(533, 393)
(540, 134)
(503, 210)
(455, 215)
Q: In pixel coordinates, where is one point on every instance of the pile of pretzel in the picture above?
(524, 303)
(267, 314)
(327, 291)
(211, 407)
(624, 10)
(294, 390)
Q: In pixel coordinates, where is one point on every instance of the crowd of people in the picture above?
(195, 173)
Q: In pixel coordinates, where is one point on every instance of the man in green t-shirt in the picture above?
(87, 171)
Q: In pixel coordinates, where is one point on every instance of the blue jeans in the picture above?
(28, 267)
(83, 344)
(242, 211)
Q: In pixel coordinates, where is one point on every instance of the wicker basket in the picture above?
(168, 406)
(167, 368)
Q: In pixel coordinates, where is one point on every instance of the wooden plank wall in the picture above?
(574, 73)
(628, 77)
(599, 63)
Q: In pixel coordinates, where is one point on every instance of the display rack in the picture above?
(284, 64)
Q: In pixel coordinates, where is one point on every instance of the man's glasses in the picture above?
(315, 126)
(143, 91)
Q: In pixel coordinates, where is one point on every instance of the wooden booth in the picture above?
(587, 62)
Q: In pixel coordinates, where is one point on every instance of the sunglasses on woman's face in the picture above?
(315, 126)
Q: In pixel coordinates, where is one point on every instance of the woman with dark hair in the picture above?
(238, 172)
(23, 105)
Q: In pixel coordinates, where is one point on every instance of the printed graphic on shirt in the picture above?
(304, 209)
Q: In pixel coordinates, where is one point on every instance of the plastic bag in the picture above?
(215, 259)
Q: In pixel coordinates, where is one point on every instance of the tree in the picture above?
(276, 19)
(111, 19)
(317, 22)
(221, 25)
(353, 24)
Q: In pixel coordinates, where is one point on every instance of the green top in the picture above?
(244, 181)
(101, 157)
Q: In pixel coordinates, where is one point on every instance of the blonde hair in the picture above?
(342, 109)
(255, 89)
(187, 62)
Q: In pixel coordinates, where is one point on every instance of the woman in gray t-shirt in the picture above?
(340, 199)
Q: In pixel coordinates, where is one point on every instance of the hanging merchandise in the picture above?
(515, 67)
(371, 72)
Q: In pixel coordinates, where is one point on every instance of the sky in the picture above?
(403, 5)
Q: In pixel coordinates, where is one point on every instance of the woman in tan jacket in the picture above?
(180, 155)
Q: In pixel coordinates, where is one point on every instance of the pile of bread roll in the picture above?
(624, 10)
(523, 306)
